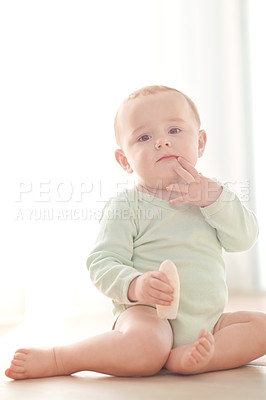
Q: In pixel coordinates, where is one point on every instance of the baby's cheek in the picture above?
(192, 156)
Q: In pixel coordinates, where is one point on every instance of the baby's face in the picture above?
(154, 130)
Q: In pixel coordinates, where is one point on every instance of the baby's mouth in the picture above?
(168, 157)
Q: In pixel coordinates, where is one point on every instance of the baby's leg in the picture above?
(139, 345)
(238, 338)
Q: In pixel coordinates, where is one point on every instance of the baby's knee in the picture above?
(255, 318)
(149, 354)
(259, 318)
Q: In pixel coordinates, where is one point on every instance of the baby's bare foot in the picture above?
(200, 353)
(34, 363)
(192, 359)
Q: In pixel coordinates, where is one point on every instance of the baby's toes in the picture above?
(19, 363)
(20, 356)
(190, 360)
(17, 368)
(202, 333)
(14, 375)
(209, 336)
(203, 350)
(22, 351)
(206, 338)
(196, 355)
(205, 344)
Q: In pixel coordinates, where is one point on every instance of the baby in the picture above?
(173, 213)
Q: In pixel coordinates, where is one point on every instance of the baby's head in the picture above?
(147, 91)
(154, 126)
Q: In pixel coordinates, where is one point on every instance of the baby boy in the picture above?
(175, 213)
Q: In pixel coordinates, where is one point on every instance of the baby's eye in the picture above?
(144, 138)
(173, 131)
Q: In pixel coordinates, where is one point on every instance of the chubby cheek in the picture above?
(143, 167)
(192, 159)
(139, 163)
(190, 153)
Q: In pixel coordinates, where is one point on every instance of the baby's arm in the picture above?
(110, 261)
(111, 267)
(236, 226)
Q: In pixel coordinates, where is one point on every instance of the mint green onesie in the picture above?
(138, 231)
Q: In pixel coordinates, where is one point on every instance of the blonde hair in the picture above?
(149, 90)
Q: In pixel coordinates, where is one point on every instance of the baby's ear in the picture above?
(201, 142)
(122, 160)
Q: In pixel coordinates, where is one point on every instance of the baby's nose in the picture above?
(164, 142)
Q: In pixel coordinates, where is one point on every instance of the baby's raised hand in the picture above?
(151, 287)
(197, 189)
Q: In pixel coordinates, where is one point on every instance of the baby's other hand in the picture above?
(197, 189)
(151, 287)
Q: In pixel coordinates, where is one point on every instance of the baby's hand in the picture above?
(151, 287)
(197, 189)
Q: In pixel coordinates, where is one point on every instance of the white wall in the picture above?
(257, 33)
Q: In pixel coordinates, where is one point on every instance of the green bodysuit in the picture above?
(138, 231)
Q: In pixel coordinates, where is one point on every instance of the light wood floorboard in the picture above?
(246, 383)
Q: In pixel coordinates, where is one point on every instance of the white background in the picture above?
(65, 68)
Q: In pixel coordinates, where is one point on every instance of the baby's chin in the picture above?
(159, 181)
(167, 180)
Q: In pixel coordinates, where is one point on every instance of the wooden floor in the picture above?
(248, 382)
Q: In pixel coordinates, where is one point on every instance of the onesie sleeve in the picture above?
(236, 226)
(110, 261)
